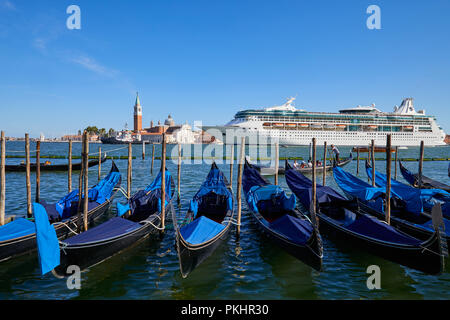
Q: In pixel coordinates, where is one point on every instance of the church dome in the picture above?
(169, 121)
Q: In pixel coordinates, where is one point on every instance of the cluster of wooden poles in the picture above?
(83, 177)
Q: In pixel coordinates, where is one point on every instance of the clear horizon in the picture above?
(207, 60)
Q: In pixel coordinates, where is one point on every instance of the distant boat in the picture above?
(270, 171)
(377, 149)
(50, 167)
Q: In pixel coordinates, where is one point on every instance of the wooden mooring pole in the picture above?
(153, 158)
(179, 175)
(396, 160)
(324, 165)
(80, 185)
(231, 165)
(69, 173)
(277, 161)
(373, 162)
(129, 170)
(28, 181)
(239, 185)
(163, 183)
(388, 182)
(85, 178)
(313, 208)
(357, 160)
(143, 150)
(38, 170)
(99, 163)
(422, 152)
(2, 178)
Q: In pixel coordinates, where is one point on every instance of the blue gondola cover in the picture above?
(15, 229)
(47, 241)
(109, 229)
(416, 199)
(294, 229)
(201, 230)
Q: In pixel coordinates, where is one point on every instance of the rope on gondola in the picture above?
(122, 191)
(232, 221)
(151, 223)
(67, 226)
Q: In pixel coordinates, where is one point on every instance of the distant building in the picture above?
(447, 139)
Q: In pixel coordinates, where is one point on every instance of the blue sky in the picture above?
(205, 60)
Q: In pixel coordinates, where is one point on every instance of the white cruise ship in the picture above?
(350, 127)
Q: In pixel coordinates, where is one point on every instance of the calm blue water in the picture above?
(248, 268)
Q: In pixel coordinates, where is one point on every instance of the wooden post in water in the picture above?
(324, 165)
(373, 162)
(422, 151)
(38, 170)
(28, 181)
(388, 182)
(143, 150)
(163, 183)
(239, 185)
(231, 166)
(357, 160)
(99, 163)
(86, 185)
(277, 161)
(368, 159)
(396, 160)
(153, 158)
(179, 174)
(129, 170)
(69, 174)
(80, 186)
(313, 207)
(2, 179)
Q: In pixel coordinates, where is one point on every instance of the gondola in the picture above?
(267, 171)
(417, 200)
(343, 219)
(19, 236)
(427, 183)
(136, 220)
(207, 222)
(50, 167)
(372, 201)
(277, 217)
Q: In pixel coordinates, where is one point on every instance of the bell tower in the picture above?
(137, 115)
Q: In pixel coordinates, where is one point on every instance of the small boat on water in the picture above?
(267, 171)
(136, 220)
(427, 183)
(343, 219)
(367, 149)
(277, 217)
(18, 237)
(50, 167)
(406, 215)
(207, 222)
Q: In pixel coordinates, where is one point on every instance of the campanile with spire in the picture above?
(137, 115)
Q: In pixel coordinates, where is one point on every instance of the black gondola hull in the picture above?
(311, 253)
(91, 254)
(191, 257)
(426, 260)
(26, 245)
